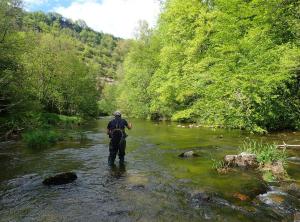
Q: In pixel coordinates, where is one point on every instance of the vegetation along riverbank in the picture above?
(51, 68)
(230, 64)
(233, 64)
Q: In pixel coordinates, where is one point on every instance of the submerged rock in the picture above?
(136, 187)
(136, 180)
(188, 154)
(273, 198)
(294, 159)
(242, 160)
(297, 217)
(292, 189)
(59, 179)
(201, 199)
(277, 170)
(281, 201)
(240, 196)
(251, 190)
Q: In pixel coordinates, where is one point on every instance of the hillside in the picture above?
(103, 52)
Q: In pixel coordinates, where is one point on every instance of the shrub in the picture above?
(41, 138)
(220, 166)
(60, 120)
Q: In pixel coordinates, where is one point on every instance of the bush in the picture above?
(60, 120)
(41, 138)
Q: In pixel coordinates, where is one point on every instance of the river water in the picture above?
(155, 185)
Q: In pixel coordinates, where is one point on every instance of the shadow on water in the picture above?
(154, 185)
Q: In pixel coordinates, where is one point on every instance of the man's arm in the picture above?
(129, 125)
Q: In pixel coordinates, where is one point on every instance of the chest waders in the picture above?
(117, 145)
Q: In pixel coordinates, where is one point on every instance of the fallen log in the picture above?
(288, 146)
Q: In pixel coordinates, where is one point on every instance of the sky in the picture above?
(117, 17)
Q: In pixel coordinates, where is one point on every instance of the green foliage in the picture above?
(50, 64)
(107, 104)
(266, 153)
(268, 176)
(218, 164)
(101, 51)
(59, 120)
(41, 131)
(139, 66)
(41, 138)
(230, 63)
(61, 82)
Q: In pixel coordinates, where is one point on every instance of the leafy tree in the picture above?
(139, 66)
(62, 83)
(228, 63)
(14, 96)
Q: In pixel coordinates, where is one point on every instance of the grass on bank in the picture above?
(46, 133)
(272, 160)
(265, 153)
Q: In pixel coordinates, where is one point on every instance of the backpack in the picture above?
(117, 134)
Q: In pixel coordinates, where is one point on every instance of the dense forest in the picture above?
(221, 63)
(224, 63)
(50, 64)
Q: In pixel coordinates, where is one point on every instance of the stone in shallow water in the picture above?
(292, 189)
(188, 154)
(281, 202)
(240, 196)
(60, 179)
(294, 159)
(277, 170)
(136, 180)
(242, 160)
(254, 189)
(272, 198)
(200, 199)
(136, 187)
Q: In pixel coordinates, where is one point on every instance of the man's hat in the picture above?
(117, 113)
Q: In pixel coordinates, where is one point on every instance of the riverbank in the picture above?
(45, 129)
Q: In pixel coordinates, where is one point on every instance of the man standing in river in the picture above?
(117, 135)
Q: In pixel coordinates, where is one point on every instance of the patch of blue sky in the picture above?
(47, 5)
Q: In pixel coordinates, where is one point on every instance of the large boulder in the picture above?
(242, 160)
(59, 179)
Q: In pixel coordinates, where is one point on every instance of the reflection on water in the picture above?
(154, 185)
(117, 171)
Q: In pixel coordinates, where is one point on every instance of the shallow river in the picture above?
(155, 185)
